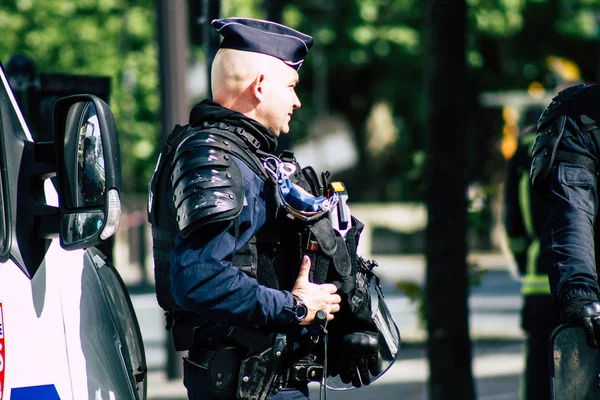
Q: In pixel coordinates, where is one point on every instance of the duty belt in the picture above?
(300, 372)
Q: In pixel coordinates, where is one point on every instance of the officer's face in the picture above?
(279, 99)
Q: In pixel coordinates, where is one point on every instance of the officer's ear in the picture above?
(257, 87)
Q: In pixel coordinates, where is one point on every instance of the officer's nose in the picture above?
(297, 103)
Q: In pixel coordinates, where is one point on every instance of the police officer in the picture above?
(239, 276)
(525, 214)
(564, 169)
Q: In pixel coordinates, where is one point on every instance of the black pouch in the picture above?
(223, 372)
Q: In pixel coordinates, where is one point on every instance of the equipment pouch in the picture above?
(223, 372)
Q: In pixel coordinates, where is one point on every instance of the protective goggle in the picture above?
(296, 201)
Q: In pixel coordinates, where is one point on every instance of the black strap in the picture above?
(242, 145)
(576, 158)
(288, 156)
(236, 232)
(165, 155)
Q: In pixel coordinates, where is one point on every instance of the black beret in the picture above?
(265, 37)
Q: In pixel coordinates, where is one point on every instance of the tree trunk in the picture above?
(448, 342)
(274, 10)
(173, 54)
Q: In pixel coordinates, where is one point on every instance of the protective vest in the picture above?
(274, 255)
(209, 139)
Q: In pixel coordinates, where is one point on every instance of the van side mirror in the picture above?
(88, 170)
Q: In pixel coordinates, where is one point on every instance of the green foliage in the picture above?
(239, 8)
(366, 52)
(114, 38)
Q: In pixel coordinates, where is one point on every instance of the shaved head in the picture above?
(234, 71)
(252, 84)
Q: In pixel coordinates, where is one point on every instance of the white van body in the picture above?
(67, 327)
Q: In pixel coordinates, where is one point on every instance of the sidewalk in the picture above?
(494, 305)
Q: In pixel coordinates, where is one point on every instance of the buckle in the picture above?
(313, 245)
(251, 140)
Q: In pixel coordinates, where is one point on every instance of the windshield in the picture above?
(12, 117)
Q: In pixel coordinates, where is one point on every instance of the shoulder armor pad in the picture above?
(551, 112)
(207, 183)
(557, 107)
(571, 92)
(544, 149)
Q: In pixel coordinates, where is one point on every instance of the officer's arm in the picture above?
(568, 248)
(567, 243)
(204, 280)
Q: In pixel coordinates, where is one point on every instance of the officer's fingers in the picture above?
(374, 365)
(328, 288)
(346, 376)
(333, 298)
(334, 308)
(590, 335)
(355, 377)
(363, 369)
(304, 268)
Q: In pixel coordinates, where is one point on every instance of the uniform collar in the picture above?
(209, 111)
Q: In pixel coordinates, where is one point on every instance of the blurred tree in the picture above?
(113, 38)
(367, 53)
(274, 9)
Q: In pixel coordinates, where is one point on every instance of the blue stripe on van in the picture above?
(44, 392)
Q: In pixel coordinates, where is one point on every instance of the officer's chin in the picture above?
(283, 131)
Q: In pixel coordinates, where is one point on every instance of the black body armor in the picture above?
(550, 128)
(207, 188)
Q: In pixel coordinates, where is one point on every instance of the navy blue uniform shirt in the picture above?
(205, 281)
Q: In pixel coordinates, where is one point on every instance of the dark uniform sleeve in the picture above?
(567, 243)
(205, 281)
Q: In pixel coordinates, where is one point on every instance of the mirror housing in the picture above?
(86, 219)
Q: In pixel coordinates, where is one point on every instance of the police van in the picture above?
(68, 330)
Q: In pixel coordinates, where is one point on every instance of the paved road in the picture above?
(494, 306)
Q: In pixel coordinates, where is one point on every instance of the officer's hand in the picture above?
(315, 297)
(587, 315)
(359, 359)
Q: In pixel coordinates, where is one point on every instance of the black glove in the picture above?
(586, 314)
(359, 357)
